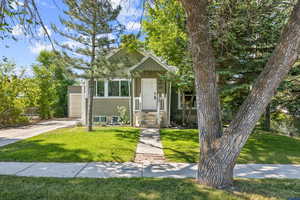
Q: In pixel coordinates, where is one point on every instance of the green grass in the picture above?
(75, 145)
(262, 147)
(28, 188)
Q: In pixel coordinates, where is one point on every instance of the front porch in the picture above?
(150, 95)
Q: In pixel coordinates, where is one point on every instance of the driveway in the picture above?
(11, 135)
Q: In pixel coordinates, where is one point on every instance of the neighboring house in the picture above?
(150, 100)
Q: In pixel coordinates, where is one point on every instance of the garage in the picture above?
(74, 101)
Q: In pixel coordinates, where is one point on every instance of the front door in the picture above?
(149, 93)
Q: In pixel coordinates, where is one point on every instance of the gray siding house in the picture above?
(150, 100)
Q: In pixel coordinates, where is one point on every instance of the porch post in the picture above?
(169, 102)
(131, 99)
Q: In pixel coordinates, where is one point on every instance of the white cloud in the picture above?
(16, 4)
(72, 44)
(41, 32)
(133, 26)
(37, 47)
(17, 30)
(129, 15)
(115, 3)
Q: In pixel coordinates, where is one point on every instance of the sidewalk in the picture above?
(149, 149)
(130, 169)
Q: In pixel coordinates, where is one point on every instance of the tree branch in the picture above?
(279, 64)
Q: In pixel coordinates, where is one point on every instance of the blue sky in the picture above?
(24, 51)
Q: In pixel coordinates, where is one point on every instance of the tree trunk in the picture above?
(183, 121)
(90, 103)
(189, 113)
(91, 81)
(267, 118)
(220, 151)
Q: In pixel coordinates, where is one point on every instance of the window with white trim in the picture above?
(115, 119)
(112, 88)
(100, 119)
(100, 88)
(118, 88)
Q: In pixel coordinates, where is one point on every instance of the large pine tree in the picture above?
(92, 25)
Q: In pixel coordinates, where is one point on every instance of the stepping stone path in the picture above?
(149, 150)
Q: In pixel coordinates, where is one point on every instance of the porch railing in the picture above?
(160, 104)
(137, 103)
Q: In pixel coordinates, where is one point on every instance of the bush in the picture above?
(123, 113)
(286, 124)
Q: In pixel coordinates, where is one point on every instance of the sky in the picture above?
(25, 50)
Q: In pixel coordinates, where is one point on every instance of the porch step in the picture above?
(148, 119)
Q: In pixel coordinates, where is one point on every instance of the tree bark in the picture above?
(267, 118)
(90, 103)
(91, 84)
(219, 151)
(183, 121)
(189, 113)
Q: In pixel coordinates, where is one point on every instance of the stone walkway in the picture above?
(11, 135)
(149, 148)
(130, 169)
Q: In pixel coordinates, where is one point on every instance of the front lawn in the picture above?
(181, 145)
(28, 188)
(75, 145)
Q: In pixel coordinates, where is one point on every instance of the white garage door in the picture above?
(74, 105)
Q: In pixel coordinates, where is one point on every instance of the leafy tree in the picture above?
(47, 98)
(24, 14)
(91, 24)
(14, 95)
(220, 149)
(166, 36)
(244, 34)
(62, 75)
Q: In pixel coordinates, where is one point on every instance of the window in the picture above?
(100, 119)
(114, 88)
(124, 88)
(188, 98)
(115, 119)
(100, 89)
(119, 88)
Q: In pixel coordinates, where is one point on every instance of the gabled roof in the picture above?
(146, 56)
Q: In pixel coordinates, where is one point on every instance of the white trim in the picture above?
(105, 88)
(139, 63)
(169, 103)
(106, 81)
(155, 58)
(112, 97)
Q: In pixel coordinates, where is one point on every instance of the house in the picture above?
(150, 100)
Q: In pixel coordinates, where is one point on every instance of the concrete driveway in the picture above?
(11, 135)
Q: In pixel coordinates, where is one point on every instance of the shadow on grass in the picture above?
(261, 147)
(267, 148)
(75, 145)
(34, 150)
(140, 189)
